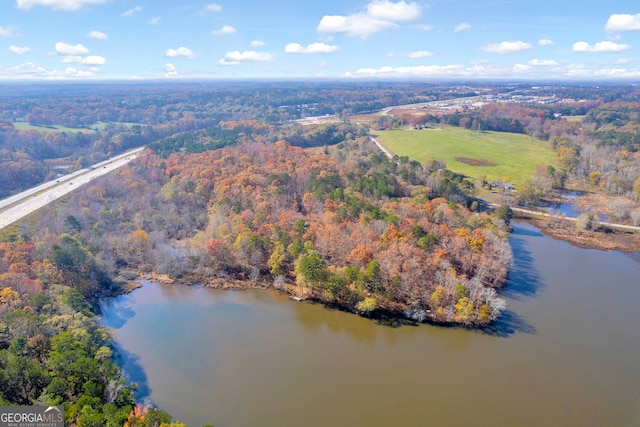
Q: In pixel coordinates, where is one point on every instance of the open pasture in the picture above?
(27, 126)
(94, 127)
(495, 155)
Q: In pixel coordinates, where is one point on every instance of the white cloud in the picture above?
(97, 35)
(71, 59)
(413, 55)
(482, 69)
(616, 73)
(258, 43)
(154, 21)
(26, 70)
(624, 61)
(417, 71)
(181, 52)
(543, 63)
(424, 27)
(380, 14)
(606, 46)
(236, 57)
(7, 31)
(507, 47)
(67, 5)
(30, 70)
(225, 30)
(354, 25)
(75, 73)
(84, 60)
(210, 8)
(312, 48)
(463, 26)
(389, 11)
(545, 42)
(129, 13)
(19, 50)
(623, 22)
(68, 49)
(520, 68)
(171, 70)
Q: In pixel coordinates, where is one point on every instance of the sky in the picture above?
(310, 39)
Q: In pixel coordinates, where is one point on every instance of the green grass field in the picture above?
(92, 128)
(27, 126)
(515, 156)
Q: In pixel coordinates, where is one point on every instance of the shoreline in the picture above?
(605, 240)
(556, 228)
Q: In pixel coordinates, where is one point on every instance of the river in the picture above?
(565, 353)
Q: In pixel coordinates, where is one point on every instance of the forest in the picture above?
(102, 120)
(341, 224)
(52, 349)
(350, 228)
(232, 192)
(598, 152)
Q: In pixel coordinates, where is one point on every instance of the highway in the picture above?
(20, 205)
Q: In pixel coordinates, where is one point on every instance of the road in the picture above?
(20, 205)
(387, 153)
(550, 215)
(522, 210)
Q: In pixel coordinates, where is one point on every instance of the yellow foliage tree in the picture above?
(8, 295)
(464, 311)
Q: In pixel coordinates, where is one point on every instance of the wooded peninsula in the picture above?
(239, 188)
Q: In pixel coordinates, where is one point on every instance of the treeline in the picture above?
(212, 138)
(599, 152)
(111, 118)
(30, 157)
(617, 125)
(155, 104)
(52, 349)
(352, 229)
(503, 117)
(238, 132)
(320, 135)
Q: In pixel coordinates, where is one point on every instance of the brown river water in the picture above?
(565, 353)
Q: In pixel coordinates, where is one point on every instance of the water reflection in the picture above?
(115, 319)
(235, 358)
(523, 280)
(316, 322)
(508, 324)
(132, 366)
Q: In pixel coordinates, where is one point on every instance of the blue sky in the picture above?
(286, 39)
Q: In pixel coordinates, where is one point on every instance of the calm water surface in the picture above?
(566, 353)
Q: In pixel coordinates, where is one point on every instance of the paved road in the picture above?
(550, 215)
(388, 153)
(20, 205)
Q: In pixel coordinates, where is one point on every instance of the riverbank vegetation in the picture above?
(598, 155)
(350, 228)
(227, 196)
(52, 349)
(345, 226)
